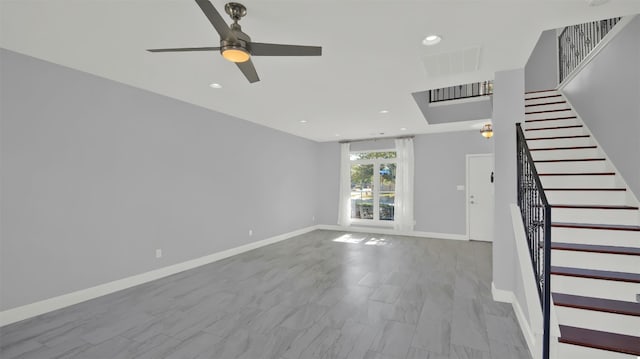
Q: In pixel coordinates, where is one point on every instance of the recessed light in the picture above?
(431, 40)
(337, 135)
(215, 86)
(384, 111)
(403, 128)
(303, 121)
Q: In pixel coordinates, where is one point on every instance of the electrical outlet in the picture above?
(158, 253)
(250, 232)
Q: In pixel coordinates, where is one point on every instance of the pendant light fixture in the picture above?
(486, 131)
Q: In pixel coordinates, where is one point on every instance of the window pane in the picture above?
(362, 191)
(387, 191)
(371, 155)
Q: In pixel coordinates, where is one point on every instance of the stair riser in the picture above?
(598, 261)
(562, 142)
(569, 351)
(596, 288)
(596, 237)
(615, 198)
(541, 107)
(565, 154)
(578, 181)
(603, 216)
(572, 167)
(595, 320)
(541, 94)
(556, 132)
(552, 123)
(536, 101)
(545, 115)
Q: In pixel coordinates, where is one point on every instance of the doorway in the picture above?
(480, 197)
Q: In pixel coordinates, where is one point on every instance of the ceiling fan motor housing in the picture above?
(239, 41)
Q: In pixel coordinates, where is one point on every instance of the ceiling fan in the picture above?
(236, 46)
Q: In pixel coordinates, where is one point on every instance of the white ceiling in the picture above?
(372, 58)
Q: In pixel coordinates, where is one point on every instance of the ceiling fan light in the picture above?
(487, 131)
(236, 54)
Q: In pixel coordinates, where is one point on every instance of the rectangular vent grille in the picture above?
(450, 63)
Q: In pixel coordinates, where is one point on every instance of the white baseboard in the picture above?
(505, 296)
(453, 236)
(48, 305)
(501, 295)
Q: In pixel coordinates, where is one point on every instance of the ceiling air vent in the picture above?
(455, 62)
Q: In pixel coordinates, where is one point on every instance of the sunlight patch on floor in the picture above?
(350, 238)
(376, 242)
(358, 239)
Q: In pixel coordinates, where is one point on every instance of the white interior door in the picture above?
(480, 197)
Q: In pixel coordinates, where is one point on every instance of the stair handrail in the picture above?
(536, 218)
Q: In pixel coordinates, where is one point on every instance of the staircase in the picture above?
(595, 232)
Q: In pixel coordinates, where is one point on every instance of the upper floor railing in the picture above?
(457, 92)
(576, 42)
(536, 217)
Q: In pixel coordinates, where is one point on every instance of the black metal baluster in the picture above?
(575, 48)
(569, 50)
(592, 33)
(583, 40)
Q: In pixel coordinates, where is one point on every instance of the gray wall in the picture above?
(508, 108)
(440, 161)
(440, 166)
(541, 71)
(606, 94)
(374, 145)
(445, 113)
(96, 175)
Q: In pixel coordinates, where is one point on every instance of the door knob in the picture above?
(472, 202)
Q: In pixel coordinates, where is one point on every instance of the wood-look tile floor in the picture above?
(323, 294)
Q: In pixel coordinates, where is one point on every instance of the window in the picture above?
(373, 186)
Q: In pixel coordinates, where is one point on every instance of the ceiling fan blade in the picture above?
(216, 19)
(248, 70)
(184, 49)
(262, 49)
